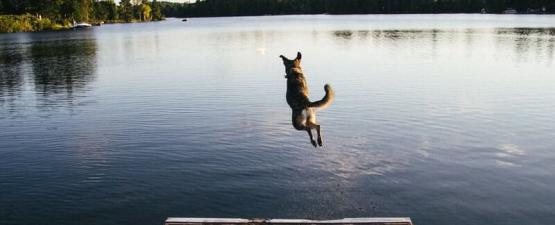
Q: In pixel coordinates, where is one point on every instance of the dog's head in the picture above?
(291, 65)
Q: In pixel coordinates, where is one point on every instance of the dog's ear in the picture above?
(299, 56)
(284, 58)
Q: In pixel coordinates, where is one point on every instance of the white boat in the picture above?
(80, 25)
(510, 11)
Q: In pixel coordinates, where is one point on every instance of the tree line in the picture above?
(209, 8)
(62, 11)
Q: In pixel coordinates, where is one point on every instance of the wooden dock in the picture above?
(230, 221)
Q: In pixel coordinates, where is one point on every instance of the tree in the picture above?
(78, 10)
(156, 11)
(146, 12)
(13, 6)
(105, 10)
(49, 9)
(126, 10)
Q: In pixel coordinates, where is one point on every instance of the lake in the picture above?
(447, 119)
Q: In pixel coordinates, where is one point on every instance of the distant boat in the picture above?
(80, 25)
(184, 20)
(510, 11)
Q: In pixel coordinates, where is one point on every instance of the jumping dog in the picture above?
(304, 111)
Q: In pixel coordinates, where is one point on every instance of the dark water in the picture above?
(445, 119)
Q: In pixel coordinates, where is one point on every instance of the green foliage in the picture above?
(50, 9)
(26, 23)
(146, 12)
(42, 24)
(156, 11)
(35, 15)
(11, 23)
(125, 10)
(78, 10)
(105, 11)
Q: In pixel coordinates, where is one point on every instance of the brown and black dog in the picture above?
(304, 111)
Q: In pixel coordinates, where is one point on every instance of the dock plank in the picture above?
(239, 221)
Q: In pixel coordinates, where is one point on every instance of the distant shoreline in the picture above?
(218, 8)
(355, 14)
(33, 16)
(30, 23)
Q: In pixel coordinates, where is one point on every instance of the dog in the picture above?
(304, 111)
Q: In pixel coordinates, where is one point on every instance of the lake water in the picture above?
(447, 119)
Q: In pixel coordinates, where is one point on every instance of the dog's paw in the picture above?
(313, 143)
(320, 142)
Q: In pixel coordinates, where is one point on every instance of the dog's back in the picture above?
(297, 90)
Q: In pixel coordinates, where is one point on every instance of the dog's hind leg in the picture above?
(309, 130)
(300, 123)
(298, 120)
(316, 126)
(311, 124)
(320, 140)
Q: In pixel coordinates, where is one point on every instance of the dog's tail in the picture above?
(326, 101)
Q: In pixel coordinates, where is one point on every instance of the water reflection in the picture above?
(524, 42)
(63, 66)
(527, 43)
(46, 67)
(343, 34)
(11, 79)
(428, 120)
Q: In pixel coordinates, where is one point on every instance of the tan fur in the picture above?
(304, 111)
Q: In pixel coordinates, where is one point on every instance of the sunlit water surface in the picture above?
(446, 119)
